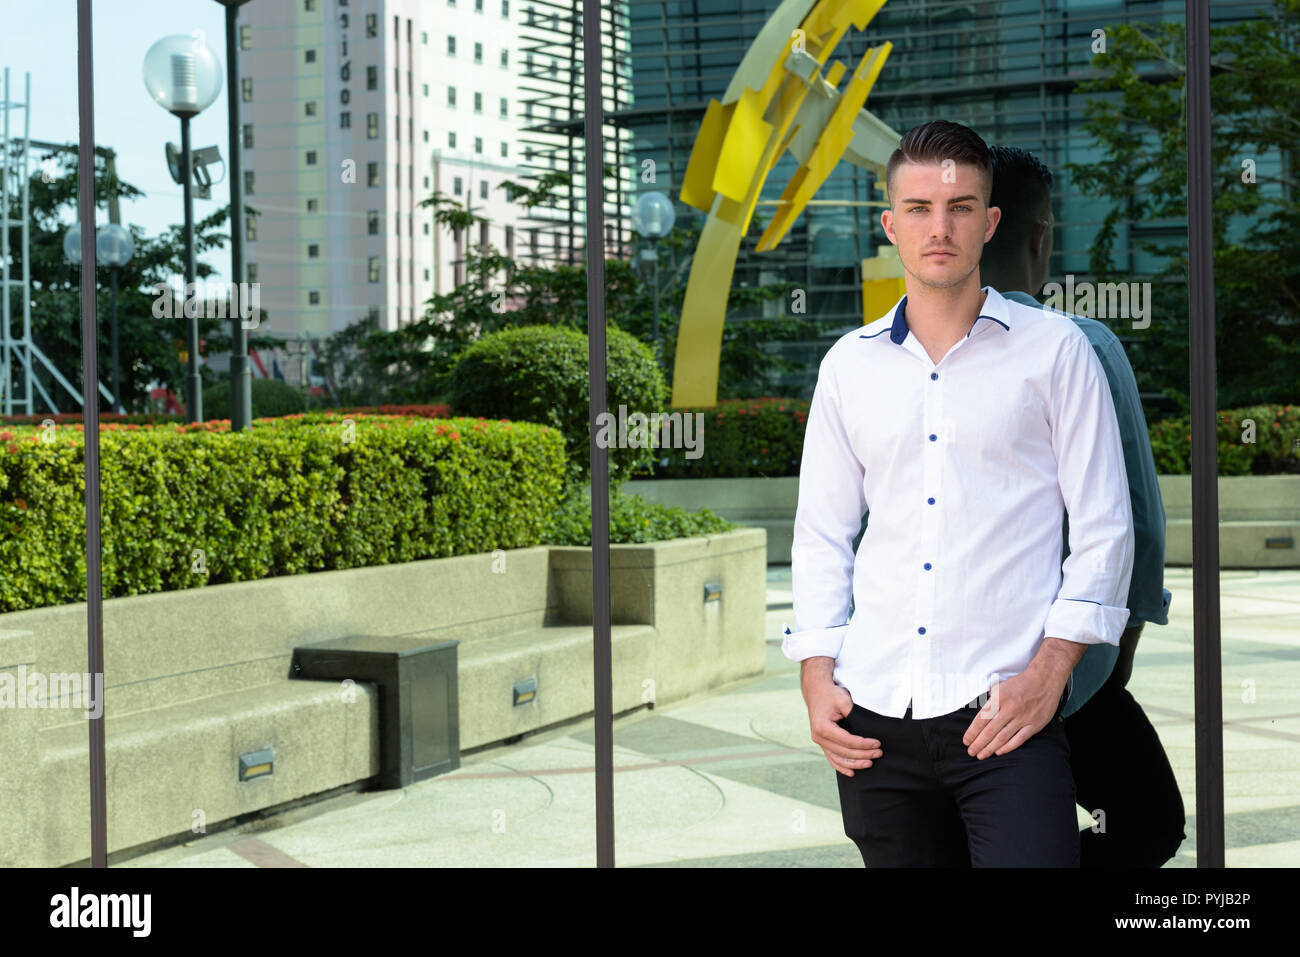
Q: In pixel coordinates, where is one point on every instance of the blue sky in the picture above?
(43, 41)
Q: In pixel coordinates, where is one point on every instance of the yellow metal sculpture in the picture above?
(782, 96)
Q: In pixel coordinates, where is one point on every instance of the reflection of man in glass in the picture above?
(968, 425)
(1120, 769)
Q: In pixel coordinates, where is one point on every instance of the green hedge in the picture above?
(271, 397)
(632, 520)
(1274, 451)
(742, 438)
(288, 497)
(539, 374)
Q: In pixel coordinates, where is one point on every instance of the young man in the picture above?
(1121, 771)
(967, 425)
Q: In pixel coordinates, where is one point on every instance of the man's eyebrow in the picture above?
(928, 202)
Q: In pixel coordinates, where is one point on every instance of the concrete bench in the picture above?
(197, 678)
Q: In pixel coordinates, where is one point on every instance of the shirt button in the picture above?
(930, 501)
(920, 631)
(934, 375)
(927, 566)
(933, 437)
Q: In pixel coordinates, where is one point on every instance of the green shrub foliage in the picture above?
(539, 374)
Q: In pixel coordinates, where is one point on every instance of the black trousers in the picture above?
(927, 803)
(1123, 776)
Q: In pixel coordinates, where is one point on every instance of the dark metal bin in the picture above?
(419, 720)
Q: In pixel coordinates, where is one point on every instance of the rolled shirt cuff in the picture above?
(1086, 622)
(813, 642)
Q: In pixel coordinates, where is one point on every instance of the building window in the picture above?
(505, 59)
(372, 222)
(505, 8)
(372, 24)
(451, 46)
(478, 144)
(528, 109)
(372, 268)
(397, 28)
(426, 182)
(245, 37)
(313, 205)
(408, 30)
(309, 56)
(478, 53)
(451, 97)
(372, 174)
(451, 139)
(510, 241)
(252, 272)
(372, 78)
(426, 275)
(424, 38)
(456, 186)
(311, 157)
(248, 136)
(309, 108)
(426, 229)
(313, 298)
(478, 6)
(504, 150)
(426, 136)
(246, 89)
(345, 121)
(482, 189)
(250, 228)
(478, 102)
(313, 250)
(424, 88)
(248, 182)
(309, 5)
(505, 108)
(372, 126)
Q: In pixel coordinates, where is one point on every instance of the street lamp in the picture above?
(183, 77)
(241, 373)
(653, 217)
(114, 248)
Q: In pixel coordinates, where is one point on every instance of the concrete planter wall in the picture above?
(195, 678)
(1259, 514)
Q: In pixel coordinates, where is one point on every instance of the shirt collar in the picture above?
(995, 308)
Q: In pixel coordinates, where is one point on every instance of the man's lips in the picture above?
(939, 252)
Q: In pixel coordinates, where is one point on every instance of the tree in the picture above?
(150, 348)
(412, 363)
(1140, 122)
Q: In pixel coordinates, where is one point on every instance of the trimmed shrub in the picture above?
(1274, 448)
(184, 507)
(632, 520)
(742, 438)
(539, 374)
(271, 397)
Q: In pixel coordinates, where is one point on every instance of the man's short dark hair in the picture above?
(937, 141)
(1022, 189)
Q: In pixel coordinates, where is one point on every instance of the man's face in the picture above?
(939, 221)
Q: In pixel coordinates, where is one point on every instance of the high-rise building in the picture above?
(354, 113)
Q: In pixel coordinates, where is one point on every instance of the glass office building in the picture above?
(1008, 69)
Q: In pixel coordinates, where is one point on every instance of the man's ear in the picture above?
(887, 224)
(995, 217)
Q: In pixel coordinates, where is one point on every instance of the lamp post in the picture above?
(653, 217)
(183, 77)
(241, 374)
(114, 248)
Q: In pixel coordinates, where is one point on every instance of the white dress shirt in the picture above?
(967, 467)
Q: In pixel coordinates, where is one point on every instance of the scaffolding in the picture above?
(551, 88)
(19, 355)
